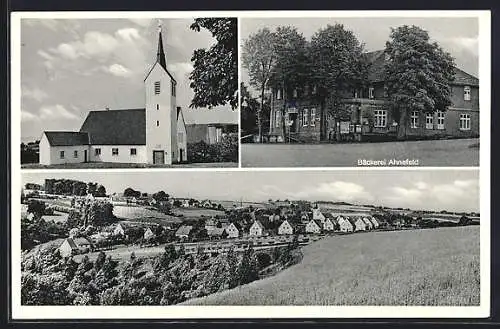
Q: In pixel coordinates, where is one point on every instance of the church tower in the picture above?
(161, 111)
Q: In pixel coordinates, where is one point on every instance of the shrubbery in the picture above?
(224, 151)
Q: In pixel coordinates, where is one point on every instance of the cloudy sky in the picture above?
(71, 66)
(456, 190)
(458, 36)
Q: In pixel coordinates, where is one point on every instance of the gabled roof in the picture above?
(116, 127)
(376, 70)
(164, 69)
(184, 230)
(67, 138)
(216, 231)
(259, 224)
(464, 78)
(317, 222)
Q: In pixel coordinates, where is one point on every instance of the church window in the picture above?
(114, 151)
(278, 94)
(173, 88)
(370, 92)
(157, 106)
(75, 154)
(133, 151)
(305, 119)
(97, 152)
(278, 118)
(61, 154)
(157, 88)
(180, 137)
(157, 123)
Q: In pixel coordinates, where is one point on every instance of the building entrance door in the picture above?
(181, 151)
(158, 157)
(293, 120)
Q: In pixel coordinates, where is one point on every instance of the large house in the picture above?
(370, 114)
(285, 228)
(155, 134)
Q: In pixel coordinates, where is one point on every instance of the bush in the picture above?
(224, 151)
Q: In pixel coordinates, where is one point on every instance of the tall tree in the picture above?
(291, 70)
(214, 78)
(259, 58)
(337, 66)
(418, 74)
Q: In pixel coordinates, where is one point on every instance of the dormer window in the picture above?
(466, 93)
(157, 87)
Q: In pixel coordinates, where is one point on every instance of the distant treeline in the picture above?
(73, 187)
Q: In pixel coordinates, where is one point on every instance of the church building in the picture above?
(155, 134)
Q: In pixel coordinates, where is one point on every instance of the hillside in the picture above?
(417, 267)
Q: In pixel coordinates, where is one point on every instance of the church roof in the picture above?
(116, 127)
(67, 138)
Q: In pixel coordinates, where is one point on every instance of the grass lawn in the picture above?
(412, 268)
(451, 152)
(101, 165)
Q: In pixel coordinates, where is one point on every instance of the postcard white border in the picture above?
(20, 312)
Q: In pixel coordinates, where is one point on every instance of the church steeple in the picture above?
(160, 54)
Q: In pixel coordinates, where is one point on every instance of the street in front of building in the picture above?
(435, 153)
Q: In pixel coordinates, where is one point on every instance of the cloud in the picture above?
(45, 55)
(68, 51)
(401, 192)
(89, 54)
(51, 24)
(128, 34)
(458, 194)
(35, 93)
(338, 190)
(144, 22)
(118, 70)
(421, 185)
(56, 112)
(181, 68)
(27, 116)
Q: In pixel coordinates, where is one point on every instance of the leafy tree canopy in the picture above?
(214, 78)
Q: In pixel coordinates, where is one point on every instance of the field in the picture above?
(197, 212)
(100, 165)
(137, 213)
(417, 268)
(453, 152)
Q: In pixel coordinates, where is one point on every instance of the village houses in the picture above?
(285, 228)
(313, 226)
(232, 230)
(257, 229)
(71, 246)
(345, 224)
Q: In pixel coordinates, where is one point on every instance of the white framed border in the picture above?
(20, 312)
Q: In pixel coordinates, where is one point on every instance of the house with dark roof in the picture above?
(155, 134)
(368, 112)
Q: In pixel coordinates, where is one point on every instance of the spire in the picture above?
(160, 54)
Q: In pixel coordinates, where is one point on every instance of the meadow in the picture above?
(415, 268)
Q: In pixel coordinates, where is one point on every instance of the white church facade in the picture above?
(155, 134)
